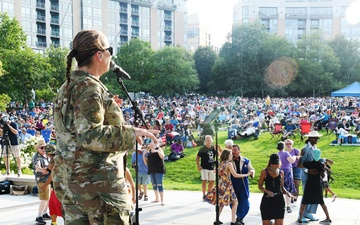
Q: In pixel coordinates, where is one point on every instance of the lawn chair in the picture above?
(278, 131)
(332, 125)
(304, 129)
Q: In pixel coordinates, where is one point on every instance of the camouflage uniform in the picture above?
(91, 142)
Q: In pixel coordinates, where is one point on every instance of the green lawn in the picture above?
(183, 174)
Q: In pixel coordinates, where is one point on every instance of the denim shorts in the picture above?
(297, 173)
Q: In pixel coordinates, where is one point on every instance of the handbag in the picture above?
(18, 189)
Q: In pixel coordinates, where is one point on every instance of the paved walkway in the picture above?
(187, 208)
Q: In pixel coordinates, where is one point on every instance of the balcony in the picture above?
(168, 28)
(40, 18)
(146, 3)
(55, 33)
(123, 20)
(123, 42)
(123, 9)
(296, 15)
(54, 8)
(41, 31)
(165, 6)
(55, 21)
(167, 38)
(41, 44)
(134, 11)
(134, 34)
(167, 17)
(40, 5)
(55, 45)
(264, 15)
(123, 32)
(135, 22)
(125, 1)
(321, 15)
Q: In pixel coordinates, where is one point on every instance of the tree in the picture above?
(317, 66)
(22, 73)
(135, 58)
(172, 72)
(348, 52)
(204, 58)
(12, 37)
(56, 57)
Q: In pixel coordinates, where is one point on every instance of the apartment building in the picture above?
(294, 18)
(55, 22)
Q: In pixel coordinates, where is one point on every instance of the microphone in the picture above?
(119, 71)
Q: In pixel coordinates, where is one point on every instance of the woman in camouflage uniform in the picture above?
(91, 139)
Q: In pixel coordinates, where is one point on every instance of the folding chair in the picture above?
(332, 125)
(278, 131)
(304, 129)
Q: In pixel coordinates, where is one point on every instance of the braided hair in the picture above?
(85, 44)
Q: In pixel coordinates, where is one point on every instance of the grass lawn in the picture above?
(183, 174)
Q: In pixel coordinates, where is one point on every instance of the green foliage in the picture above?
(12, 37)
(56, 57)
(26, 71)
(183, 174)
(172, 72)
(4, 101)
(347, 51)
(204, 58)
(317, 65)
(46, 94)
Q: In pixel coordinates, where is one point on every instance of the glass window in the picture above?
(8, 7)
(97, 12)
(25, 12)
(26, 25)
(97, 24)
(87, 23)
(245, 11)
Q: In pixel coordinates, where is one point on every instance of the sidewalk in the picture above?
(187, 208)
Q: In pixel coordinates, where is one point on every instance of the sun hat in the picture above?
(40, 143)
(313, 134)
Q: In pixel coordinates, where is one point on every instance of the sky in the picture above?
(218, 15)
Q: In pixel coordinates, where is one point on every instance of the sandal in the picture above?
(146, 198)
(334, 198)
(288, 210)
(141, 195)
(325, 221)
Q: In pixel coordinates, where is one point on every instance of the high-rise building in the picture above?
(55, 22)
(294, 18)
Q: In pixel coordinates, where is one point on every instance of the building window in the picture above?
(245, 11)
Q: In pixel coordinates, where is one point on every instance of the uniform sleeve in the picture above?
(89, 110)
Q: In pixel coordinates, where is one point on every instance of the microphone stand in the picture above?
(136, 115)
(217, 209)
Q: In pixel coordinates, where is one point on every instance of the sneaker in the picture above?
(325, 221)
(334, 198)
(204, 198)
(288, 210)
(40, 220)
(46, 216)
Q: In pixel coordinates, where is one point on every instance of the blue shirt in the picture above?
(143, 169)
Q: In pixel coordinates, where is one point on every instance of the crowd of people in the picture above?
(95, 132)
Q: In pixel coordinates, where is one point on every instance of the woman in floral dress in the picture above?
(226, 191)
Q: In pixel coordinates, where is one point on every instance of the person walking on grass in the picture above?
(205, 161)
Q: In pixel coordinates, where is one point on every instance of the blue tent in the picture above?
(351, 90)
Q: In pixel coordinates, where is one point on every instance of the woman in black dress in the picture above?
(313, 189)
(272, 204)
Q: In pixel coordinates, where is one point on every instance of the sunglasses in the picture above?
(42, 147)
(109, 49)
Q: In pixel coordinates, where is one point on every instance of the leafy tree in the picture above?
(204, 58)
(4, 101)
(22, 73)
(12, 37)
(348, 52)
(172, 72)
(317, 66)
(135, 58)
(56, 57)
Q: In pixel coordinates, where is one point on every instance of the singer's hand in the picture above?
(139, 132)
